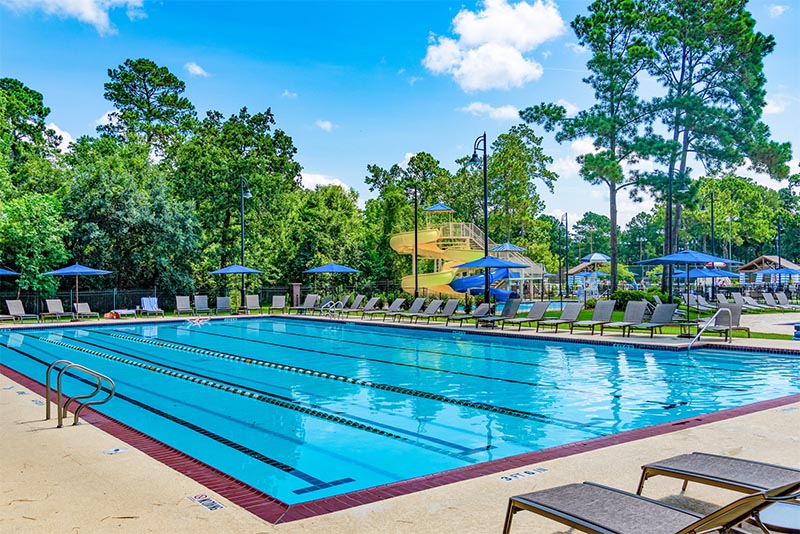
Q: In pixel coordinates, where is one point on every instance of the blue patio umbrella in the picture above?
(508, 247)
(490, 262)
(782, 270)
(235, 269)
(332, 268)
(76, 270)
(596, 257)
(6, 272)
(587, 274)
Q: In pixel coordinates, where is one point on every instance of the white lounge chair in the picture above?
(150, 306)
(83, 311)
(55, 309)
(17, 311)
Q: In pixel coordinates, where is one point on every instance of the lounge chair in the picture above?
(783, 300)
(278, 303)
(55, 309)
(662, 316)
(251, 303)
(201, 304)
(601, 315)
(7, 318)
(369, 306)
(739, 299)
(17, 311)
(223, 305)
(415, 307)
(634, 314)
(751, 302)
(432, 307)
(150, 306)
(83, 311)
(307, 305)
(323, 305)
(509, 312)
(735, 474)
(355, 306)
(183, 304)
(694, 302)
(568, 315)
(703, 302)
(482, 310)
(772, 303)
(600, 509)
(395, 307)
(446, 312)
(723, 323)
(535, 314)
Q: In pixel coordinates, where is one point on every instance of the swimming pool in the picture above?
(304, 410)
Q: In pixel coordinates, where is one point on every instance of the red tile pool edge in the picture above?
(274, 511)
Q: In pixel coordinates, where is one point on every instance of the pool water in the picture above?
(304, 409)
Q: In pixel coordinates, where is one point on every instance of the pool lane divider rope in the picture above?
(364, 383)
(315, 484)
(261, 397)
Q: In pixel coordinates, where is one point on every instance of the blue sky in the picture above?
(354, 82)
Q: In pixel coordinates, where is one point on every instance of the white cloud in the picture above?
(104, 119)
(326, 126)
(502, 113)
(546, 54)
(774, 106)
(490, 50)
(311, 180)
(66, 137)
(776, 10)
(407, 159)
(94, 12)
(571, 108)
(195, 70)
(576, 48)
(288, 94)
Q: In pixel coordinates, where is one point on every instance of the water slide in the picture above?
(428, 244)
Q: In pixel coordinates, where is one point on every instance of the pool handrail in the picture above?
(62, 410)
(729, 338)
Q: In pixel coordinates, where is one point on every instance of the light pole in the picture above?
(702, 208)
(730, 236)
(416, 244)
(669, 237)
(480, 144)
(244, 192)
(641, 239)
(565, 222)
(780, 229)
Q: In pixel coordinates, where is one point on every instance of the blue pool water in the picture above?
(303, 410)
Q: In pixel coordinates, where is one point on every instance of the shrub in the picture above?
(590, 303)
(623, 296)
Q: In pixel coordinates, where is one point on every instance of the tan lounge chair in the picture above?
(55, 309)
(535, 314)
(601, 315)
(568, 315)
(83, 311)
(17, 311)
(600, 509)
(634, 314)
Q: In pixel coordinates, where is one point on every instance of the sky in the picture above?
(356, 82)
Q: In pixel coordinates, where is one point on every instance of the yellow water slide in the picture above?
(428, 243)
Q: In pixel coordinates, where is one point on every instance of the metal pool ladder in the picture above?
(700, 332)
(62, 410)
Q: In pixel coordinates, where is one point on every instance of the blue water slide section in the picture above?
(474, 284)
(500, 295)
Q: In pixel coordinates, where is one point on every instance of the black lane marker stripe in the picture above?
(433, 369)
(265, 397)
(480, 343)
(272, 462)
(392, 428)
(358, 381)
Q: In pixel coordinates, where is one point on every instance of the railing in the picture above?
(62, 410)
(729, 337)
(474, 235)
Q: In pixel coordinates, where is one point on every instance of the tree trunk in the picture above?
(612, 192)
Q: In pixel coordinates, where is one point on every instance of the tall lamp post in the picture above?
(416, 239)
(703, 208)
(565, 222)
(244, 192)
(780, 229)
(641, 240)
(480, 144)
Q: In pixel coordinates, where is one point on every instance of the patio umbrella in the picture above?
(490, 262)
(587, 274)
(782, 270)
(596, 257)
(235, 269)
(76, 270)
(332, 268)
(508, 247)
(6, 272)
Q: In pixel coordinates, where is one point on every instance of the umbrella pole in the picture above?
(76, 288)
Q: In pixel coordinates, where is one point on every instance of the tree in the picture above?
(617, 123)
(590, 234)
(148, 104)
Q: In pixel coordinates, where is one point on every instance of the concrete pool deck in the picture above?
(67, 480)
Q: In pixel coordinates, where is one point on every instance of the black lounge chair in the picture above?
(323, 306)
(662, 316)
(568, 315)
(601, 315)
(509, 312)
(395, 307)
(432, 307)
(535, 314)
(307, 305)
(482, 310)
(416, 307)
(446, 312)
(368, 307)
(634, 314)
(354, 307)
(600, 509)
